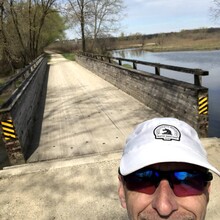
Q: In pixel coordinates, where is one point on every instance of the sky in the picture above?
(158, 16)
(161, 16)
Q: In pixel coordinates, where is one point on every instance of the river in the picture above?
(206, 60)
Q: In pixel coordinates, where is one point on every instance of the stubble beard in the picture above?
(173, 216)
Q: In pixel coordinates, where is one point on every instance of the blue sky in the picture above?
(156, 16)
(159, 16)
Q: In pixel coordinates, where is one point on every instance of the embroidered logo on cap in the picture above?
(167, 133)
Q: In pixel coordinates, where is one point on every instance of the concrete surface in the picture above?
(83, 188)
(82, 136)
(79, 188)
(84, 114)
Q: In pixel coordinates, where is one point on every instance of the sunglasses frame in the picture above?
(204, 176)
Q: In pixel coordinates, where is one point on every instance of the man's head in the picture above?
(164, 172)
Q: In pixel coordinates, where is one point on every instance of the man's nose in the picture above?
(164, 200)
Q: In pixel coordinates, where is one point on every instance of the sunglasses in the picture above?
(183, 183)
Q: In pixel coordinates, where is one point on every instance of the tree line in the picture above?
(28, 26)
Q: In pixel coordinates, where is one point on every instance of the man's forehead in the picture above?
(167, 166)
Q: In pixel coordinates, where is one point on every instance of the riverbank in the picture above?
(170, 48)
(186, 40)
(188, 44)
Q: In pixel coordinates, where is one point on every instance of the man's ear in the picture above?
(121, 192)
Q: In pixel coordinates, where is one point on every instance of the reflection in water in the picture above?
(129, 53)
(206, 60)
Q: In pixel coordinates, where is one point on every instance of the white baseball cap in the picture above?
(163, 140)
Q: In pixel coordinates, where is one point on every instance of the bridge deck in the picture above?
(84, 114)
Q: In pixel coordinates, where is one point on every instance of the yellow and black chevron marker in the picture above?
(203, 105)
(8, 130)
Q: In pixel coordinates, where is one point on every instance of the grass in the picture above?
(127, 66)
(201, 39)
(69, 56)
(181, 44)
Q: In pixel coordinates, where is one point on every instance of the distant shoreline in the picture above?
(166, 49)
(180, 49)
(186, 40)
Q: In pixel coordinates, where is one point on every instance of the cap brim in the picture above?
(160, 154)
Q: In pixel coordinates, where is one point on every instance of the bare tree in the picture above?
(14, 16)
(76, 12)
(104, 18)
(96, 18)
(6, 53)
(215, 10)
(37, 13)
(26, 27)
(46, 7)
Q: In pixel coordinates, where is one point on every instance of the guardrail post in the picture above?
(134, 65)
(119, 62)
(197, 80)
(203, 120)
(157, 70)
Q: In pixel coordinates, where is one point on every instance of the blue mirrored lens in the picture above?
(145, 174)
(183, 175)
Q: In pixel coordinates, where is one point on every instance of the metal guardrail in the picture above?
(198, 73)
(11, 86)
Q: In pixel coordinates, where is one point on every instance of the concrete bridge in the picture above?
(68, 162)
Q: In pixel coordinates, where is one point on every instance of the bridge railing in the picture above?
(20, 98)
(12, 86)
(169, 97)
(198, 73)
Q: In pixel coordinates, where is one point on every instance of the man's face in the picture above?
(163, 203)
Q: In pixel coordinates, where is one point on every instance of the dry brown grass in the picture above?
(201, 39)
(187, 43)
